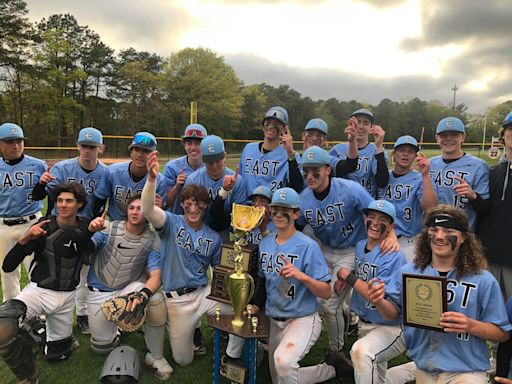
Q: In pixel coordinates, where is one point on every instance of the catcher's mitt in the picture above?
(116, 310)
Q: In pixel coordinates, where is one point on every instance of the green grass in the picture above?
(85, 367)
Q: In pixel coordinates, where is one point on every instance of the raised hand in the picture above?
(182, 177)
(288, 270)
(34, 232)
(46, 177)
(351, 129)
(229, 181)
(98, 224)
(152, 165)
(376, 291)
(378, 135)
(423, 164)
(464, 189)
(287, 140)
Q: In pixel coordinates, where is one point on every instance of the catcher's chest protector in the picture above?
(122, 260)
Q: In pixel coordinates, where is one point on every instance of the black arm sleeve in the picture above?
(98, 205)
(260, 292)
(39, 192)
(344, 167)
(17, 254)
(481, 206)
(220, 219)
(296, 180)
(382, 176)
(86, 246)
(503, 358)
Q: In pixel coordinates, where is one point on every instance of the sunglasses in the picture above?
(194, 132)
(144, 140)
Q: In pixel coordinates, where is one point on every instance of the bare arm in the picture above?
(376, 296)
(155, 215)
(429, 198)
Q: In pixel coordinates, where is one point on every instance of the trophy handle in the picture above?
(251, 292)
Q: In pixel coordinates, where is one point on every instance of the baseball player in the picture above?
(123, 180)
(266, 162)
(379, 340)
(19, 173)
(315, 133)
(61, 244)
(127, 259)
(87, 170)
(292, 274)
(333, 208)
(220, 181)
(188, 248)
(410, 191)
(177, 170)
(372, 167)
(476, 310)
(459, 179)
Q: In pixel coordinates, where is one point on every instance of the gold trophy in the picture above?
(241, 284)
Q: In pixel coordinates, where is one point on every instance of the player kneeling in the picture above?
(61, 244)
(126, 263)
(476, 311)
(293, 273)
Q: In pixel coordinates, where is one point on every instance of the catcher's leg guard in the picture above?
(15, 347)
(154, 326)
(104, 347)
(58, 350)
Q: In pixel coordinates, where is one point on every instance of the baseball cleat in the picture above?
(161, 366)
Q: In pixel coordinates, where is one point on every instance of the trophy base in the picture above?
(237, 323)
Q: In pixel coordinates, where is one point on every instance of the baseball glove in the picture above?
(116, 310)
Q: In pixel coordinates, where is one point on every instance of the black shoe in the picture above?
(224, 364)
(341, 364)
(83, 324)
(199, 348)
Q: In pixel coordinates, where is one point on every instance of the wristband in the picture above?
(147, 292)
(351, 279)
(223, 193)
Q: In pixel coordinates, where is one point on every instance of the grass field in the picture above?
(85, 367)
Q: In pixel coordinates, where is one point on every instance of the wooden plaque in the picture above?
(250, 257)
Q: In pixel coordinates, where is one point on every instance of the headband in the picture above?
(446, 221)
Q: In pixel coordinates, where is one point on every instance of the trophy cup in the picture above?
(241, 284)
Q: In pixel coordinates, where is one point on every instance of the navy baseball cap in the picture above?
(364, 112)
(144, 140)
(212, 148)
(382, 206)
(318, 124)
(278, 113)
(195, 131)
(450, 124)
(285, 197)
(11, 131)
(261, 190)
(90, 136)
(406, 140)
(315, 157)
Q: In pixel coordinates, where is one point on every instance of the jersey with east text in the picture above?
(118, 186)
(477, 296)
(70, 171)
(337, 220)
(16, 185)
(186, 253)
(255, 236)
(289, 298)
(366, 165)
(405, 193)
(369, 265)
(258, 168)
(470, 168)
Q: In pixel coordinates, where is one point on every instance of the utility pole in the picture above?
(454, 89)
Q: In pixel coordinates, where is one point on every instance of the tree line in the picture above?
(57, 76)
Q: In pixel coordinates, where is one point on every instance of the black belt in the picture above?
(92, 289)
(180, 292)
(21, 220)
(281, 318)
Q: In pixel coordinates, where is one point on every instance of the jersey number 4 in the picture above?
(291, 292)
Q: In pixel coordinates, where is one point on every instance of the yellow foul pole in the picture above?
(193, 112)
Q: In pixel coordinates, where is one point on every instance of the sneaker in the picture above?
(83, 324)
(74, 342)
(341, 364)
(224, 360)
(161, 366)
(199, 348)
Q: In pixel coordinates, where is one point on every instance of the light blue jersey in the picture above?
(477, 296)
(366, 165)
(337, 220)
(237, 194)
(258, 168)
(118, 186)
(70, 171)
(470, 168)
(369, 265)
(186, 253)
(405, 193)
(255, 236)
(290, 298)
(100, 239)
(171, 171)
(16, 185)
